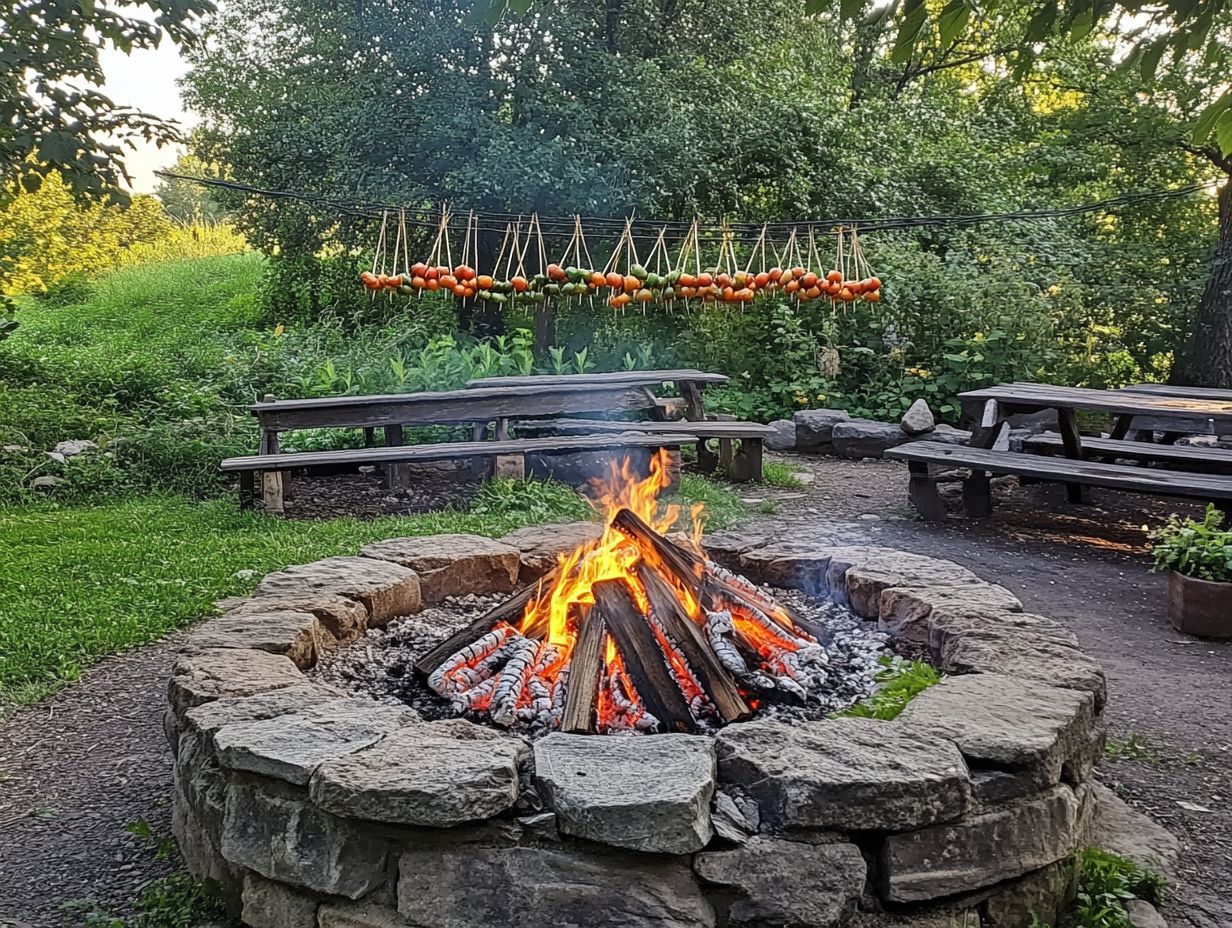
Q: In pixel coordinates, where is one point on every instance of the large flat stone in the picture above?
(359, 915)
(815, 429)
(865, 580)
(294, 634)
(386, 589)
(1037, 897)
(524, 887)
(452, 565)
(210, 674)
(851, 774)
(1121, 829)
(1003, 722)
(211, 716)
(267, 904)
(786, 884)
(863, 438)
(980, 850)
(784, 437)
(906, 610)
(795, 565)
(437, 774)
(541, 546)
(290, 747)
(645, 793)
(286, 838)
(342, 619)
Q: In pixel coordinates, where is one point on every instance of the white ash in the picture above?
(381, 664)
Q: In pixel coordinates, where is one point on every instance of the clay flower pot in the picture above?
(1200, 607)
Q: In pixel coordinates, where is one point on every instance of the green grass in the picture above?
(1132, 747)
(898, 682)
(778, 474)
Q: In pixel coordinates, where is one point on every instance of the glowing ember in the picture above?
(685, 642)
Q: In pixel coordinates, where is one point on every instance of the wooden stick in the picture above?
(698, 654)
(643, 658)
(585, 672)
(508, 611)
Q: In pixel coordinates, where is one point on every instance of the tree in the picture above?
(185, 200)
(53, 116)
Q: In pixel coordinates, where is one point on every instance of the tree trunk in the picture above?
(1207, 360)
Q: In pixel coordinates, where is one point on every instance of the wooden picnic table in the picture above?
(688, 380)
(987, 410)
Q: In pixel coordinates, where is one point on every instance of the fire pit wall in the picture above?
(306, 807)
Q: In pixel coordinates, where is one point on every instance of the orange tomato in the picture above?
(874, 283)
(808, 280)
(462, 272)
(418, 282)
(705, 280)
(746, 295)
(775, 274)
(418, 269)
(484, 281)
(631, 283)
(873, 296)
(434, 284)
(597, 279)
(846, 295)
(797, 272)
(520, 284)
(368, 279)
(615, 281)
(835, 277)
(792, 286)
(644, 296)
(556, 272)
(448, 281)
(688, 280)
(761, 279)
(812, 292)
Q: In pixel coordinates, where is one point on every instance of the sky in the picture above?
(147, 80)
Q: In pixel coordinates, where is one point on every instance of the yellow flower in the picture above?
(979, 336)
(279, 329)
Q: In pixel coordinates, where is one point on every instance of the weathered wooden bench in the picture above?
(741, 462)
(1186, 457)
(688, 381)
(977, 496)
(508, 457)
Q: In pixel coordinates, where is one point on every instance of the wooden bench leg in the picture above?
(707, 460)
(248, 489)
(746, 463)
(271, 480)
(509, 465)
(977, 495)
(1067, 421)
(922, 491)
(726, 454)
(395, 474)
(694, 410)
(369, 437)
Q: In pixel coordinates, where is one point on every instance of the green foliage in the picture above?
(778, 474)
(533, 500)
(174, 901)
(1132, 747)
(1107, 882)
(898, 682)
(1195, 548)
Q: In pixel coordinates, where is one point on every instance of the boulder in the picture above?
(729, 821)
(906, 611)
(211, 674)
(784, 437)
(74, 447)
(946, 434)
(815, 428)
(212, 716)
(275, 905)
(290, 747)
(343, 620)
(1142, 914)
(848, 774)
(991, 787)
(1003, 842)
(386, 589)
(452, 565)
(647, 794)
(918, 419)
(198, 805)
(1121, 829)
(863, 438)
(725, 548)
(783, 883)
(542, 545)
(873, 572)
(294, 634)
(1038, 897)
(46, 483)
(792, 564)
(359, 915)
(1000, 721)
(438, 774)
(526, 887)
(286, 838)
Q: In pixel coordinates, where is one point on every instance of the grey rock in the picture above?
(873, 573)
(14, 449)
(784, 437)
(863, 438)
(212, 674)
(275, 905)
(918, 419)
(200, 850)
(993, 787)
(815, 429)
(1123, 830)
(1003, 722)
(645, 793)
(295, 634)
(524, 887)
(285, 838)
(290, 747)
(74, 447)
(980, 850)
(197, 808)
(359, 915)
(46, 482)
(342, 619)
(1080, 765)
(386, 589)
(848, 774)
(211, 716)
(542, 545)
(57, 457)
(1142, 914)
(906, 612)
(439, 775)
(726, 547)
(729, 821)
(947, 435)
(791, 564)
(452, 565)
(1042, 894)
(786, 884)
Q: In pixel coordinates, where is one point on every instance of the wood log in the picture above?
(710, 673)
(643, 659)
(585, 672)
(510, 610)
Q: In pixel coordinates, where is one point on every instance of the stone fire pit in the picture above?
(308, 807)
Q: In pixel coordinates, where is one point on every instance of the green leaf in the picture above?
(1209, 117)
(953, 20)
(915, 17)
(1082, 25)
(519, 6)
(1149, 59)
(1041, 23)
(1223, 132)
(847, 9)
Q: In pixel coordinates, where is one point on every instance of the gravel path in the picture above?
(80, 767)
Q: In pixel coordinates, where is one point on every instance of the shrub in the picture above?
(898, 682)
(1201, 549)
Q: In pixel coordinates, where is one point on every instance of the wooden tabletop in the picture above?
(617, 378)
(1166, 389)
(1125, 402)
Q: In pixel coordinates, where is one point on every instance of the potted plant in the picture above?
(1198, 558)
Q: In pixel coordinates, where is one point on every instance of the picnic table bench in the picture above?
(988, 409)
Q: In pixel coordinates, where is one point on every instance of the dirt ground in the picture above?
(81, 768)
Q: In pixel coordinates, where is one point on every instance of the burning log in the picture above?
(583, 673)
(643, 658)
